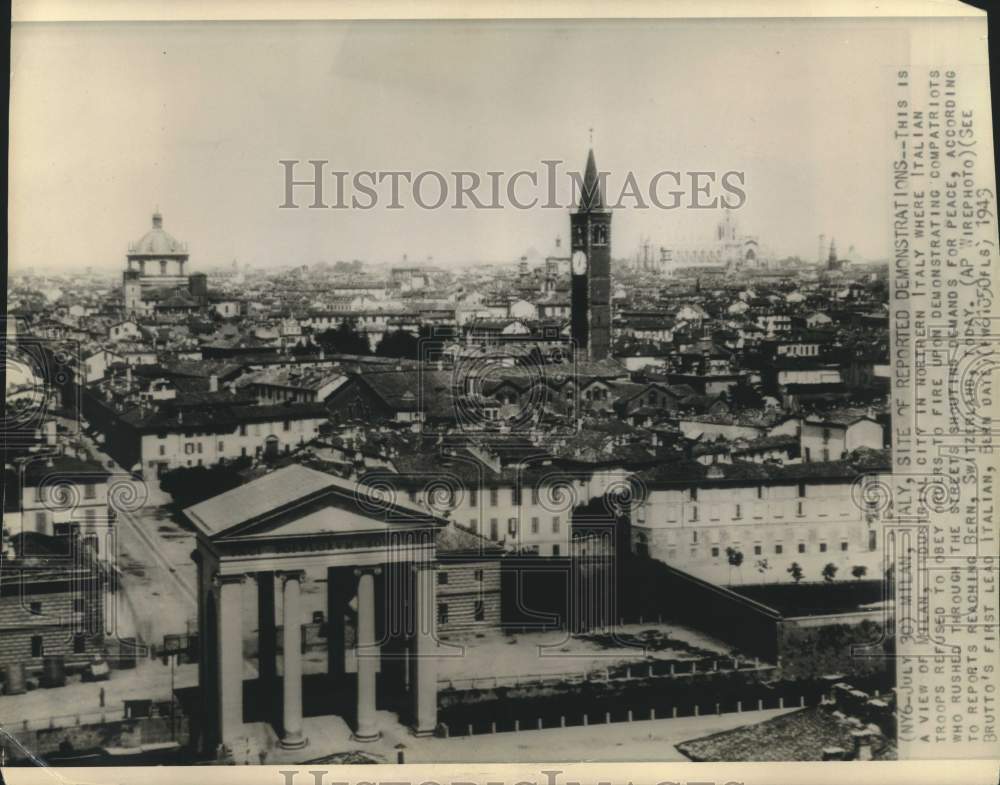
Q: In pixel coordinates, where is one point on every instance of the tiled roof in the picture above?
(264, 495)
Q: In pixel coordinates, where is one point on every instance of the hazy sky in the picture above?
(110, 120)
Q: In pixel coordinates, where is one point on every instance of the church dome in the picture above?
(157, 242)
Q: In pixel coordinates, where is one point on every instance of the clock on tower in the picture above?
(590, 224)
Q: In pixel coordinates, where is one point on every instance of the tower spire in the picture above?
(591, 197)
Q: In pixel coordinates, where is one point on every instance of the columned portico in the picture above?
(297, 524)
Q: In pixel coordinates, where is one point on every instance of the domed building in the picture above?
(155, 263)
(158, 257)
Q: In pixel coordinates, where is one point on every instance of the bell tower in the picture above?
(590, 233)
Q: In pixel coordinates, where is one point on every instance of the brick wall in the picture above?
(55, 621)
(468, 583)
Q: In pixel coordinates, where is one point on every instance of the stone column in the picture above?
(230, 657)
(292, 737)
(367, 654)
(425, 650)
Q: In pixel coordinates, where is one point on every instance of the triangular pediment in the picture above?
(297, 501)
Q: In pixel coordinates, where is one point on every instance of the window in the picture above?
(243, 430)
(826, 454)
(512, 526)
(494, 529)
(474, 524)
(479, 614)
(802, 547)
(534, 495)
(694, 536)
(494, 497)
(222, 447)
(535, 525)
(286, 425)
(40, 521)
(843, 545)
(872, 539)
(35, 608)
(802, 490)
(694, 494)
(555, 524)
(37, 646)
(515, 495)
(442, 578)
(188, 450)
(200, 445)
(163, 449)
(779, 548)
(478, 575)
(715, 552)
(243, 451)
(473, 497)
(79, 643)
(756, 550)
(738, 511)
(799, 509)
(413, 495)
(822, 547)
(760, 491)
(555, 550)
(89, 491)
(442, 613)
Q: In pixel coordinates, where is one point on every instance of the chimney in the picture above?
(213, 383)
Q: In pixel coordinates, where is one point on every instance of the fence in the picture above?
(618, 673)
(128, 710)
(585, 719)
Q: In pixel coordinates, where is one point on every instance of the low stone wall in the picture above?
(119, 733)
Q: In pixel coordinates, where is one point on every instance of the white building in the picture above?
(772, 516)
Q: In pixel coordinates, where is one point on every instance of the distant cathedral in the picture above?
(590, 262)
(730, 250)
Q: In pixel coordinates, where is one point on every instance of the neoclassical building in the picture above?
(377, 557)
(156, 265)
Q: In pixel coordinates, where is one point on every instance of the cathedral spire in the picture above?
(591, 197)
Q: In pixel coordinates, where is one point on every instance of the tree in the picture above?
(829, 572)
(398, 343)
(859, 571)
(762, 567)
(735, 558)
(795, 571)
(743, 396)
(191, 485)
(344, 340)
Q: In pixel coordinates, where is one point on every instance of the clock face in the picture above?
(579, 263)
